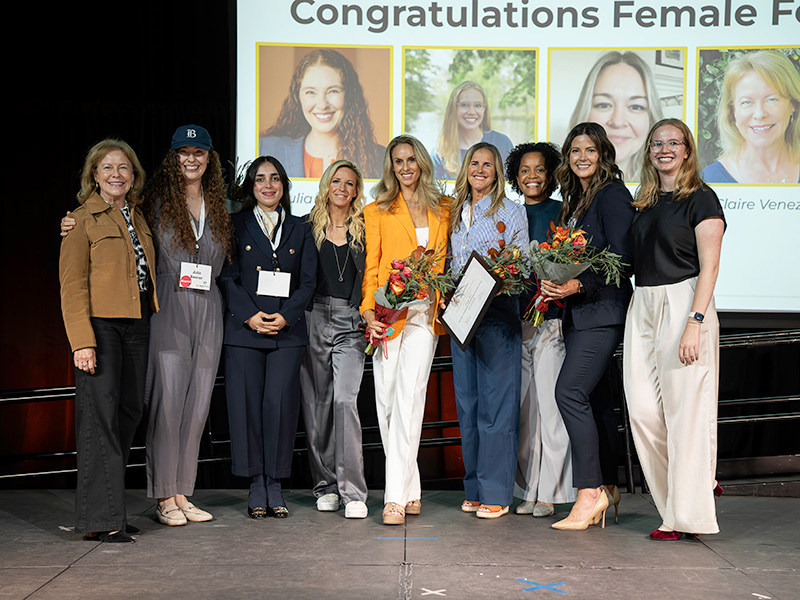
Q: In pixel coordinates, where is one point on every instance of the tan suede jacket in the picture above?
(97, 269)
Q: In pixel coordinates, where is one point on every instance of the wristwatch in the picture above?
(697, 316)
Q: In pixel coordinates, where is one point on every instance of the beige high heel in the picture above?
(597, 515)
(614, 497)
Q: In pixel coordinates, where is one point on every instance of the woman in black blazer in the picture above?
(267, 289)
(596, 201)
(330, 376)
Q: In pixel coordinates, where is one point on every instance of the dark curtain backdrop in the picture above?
(77, 72)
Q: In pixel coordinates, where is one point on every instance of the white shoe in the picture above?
(194, 514)
(328, 503)
(355, 509)
(170, 515)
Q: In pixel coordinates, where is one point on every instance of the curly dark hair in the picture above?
(167, 189)
(576, 201)
(356, 136)
(246, 192)
(551, 156)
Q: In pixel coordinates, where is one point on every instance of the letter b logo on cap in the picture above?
(191, 133)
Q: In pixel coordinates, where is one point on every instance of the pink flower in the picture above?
(406, 273)
(398, 264)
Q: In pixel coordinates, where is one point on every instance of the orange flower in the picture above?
(578, 241)
(397, 287)
(422, 294)
(501, 227)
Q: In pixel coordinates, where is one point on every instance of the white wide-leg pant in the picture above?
(544, 464)
(401, 385)
(673, 407)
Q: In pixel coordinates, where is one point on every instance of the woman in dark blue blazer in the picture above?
(267, 289)
(596, 201)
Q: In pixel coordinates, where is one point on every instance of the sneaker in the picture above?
(355, 509)
(328, 503)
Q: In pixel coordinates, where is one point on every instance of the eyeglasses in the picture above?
(671, 145)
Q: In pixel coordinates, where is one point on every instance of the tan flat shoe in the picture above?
(393, 514)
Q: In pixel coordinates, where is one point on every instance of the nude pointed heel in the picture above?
(598, 515)
(613, 498)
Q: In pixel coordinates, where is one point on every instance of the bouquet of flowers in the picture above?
(509, 263)
(564, 256)
(411, 281)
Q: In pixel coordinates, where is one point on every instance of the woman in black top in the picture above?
(672, 333)
(330, 375)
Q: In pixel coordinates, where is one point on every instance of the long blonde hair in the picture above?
(688, 179)
(320, 219)
(95, 154)
(388, 188)
(448, 146)
(463, 191)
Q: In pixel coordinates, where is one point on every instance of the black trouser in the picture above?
(108, 408)
(583, 395)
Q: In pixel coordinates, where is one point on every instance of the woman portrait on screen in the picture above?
(544, 463)
(324, 118)
(408, 213)
(466, 122)
(758, 121)
(671, 359)
(487, 373)
(330, 376)
(620, 94)
(596, 201)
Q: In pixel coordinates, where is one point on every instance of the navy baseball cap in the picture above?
(191, 135)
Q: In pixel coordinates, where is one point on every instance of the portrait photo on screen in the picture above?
(748, 115)
(454, 98)
(319, 104)
(624, 90)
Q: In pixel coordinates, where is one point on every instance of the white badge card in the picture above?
(274, 283)
(195, 276)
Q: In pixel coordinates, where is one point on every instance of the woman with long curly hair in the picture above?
(466, 122)
(330, 375)
(671, 358)
(324, 118)
(408, 212)
(184, 204)
(595, 200)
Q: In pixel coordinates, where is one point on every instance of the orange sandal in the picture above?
(491, 511)
(393, 514)
(470, 506)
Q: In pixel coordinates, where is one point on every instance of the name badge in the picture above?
(195, 277)
(274, 283)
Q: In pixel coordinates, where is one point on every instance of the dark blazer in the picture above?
(238, 282)
(358, 259)
(608, 222)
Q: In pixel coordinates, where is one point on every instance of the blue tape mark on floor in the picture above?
(542, 586)
(405, 538)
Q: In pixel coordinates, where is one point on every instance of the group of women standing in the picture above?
(289, 283)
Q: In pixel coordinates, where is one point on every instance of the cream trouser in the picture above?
(401, 384)
(673, 407)
(544, 465)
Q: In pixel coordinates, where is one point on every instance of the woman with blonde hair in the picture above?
(466, 122)
(487, 375)
(408, 213)
(330, 375)
(758, 121)
(671, 359)
(620, 94)
(324, 117)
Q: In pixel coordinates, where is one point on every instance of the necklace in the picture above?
(412, 204)
(346, 257)
(338, 226)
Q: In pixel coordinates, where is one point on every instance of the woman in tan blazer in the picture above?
(408, 212)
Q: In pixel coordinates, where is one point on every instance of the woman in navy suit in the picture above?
(596, 201)
(267, 289)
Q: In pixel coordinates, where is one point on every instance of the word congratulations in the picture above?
(525, 13)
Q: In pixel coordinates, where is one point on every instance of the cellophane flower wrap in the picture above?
(565, 255)
(411, 281)
(509, 263)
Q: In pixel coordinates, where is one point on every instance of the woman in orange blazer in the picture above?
(408, 212)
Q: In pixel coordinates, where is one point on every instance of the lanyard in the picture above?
(277, 231)
(202, 221)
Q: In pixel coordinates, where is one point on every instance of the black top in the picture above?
(663, 239)
(328, 283)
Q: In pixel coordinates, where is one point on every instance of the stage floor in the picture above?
(442, 553)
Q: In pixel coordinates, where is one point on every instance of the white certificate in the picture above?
(274, 283)
(195, 276)
(470, 301)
